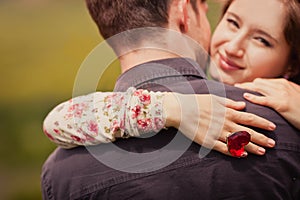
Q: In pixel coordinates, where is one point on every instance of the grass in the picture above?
(43, 44)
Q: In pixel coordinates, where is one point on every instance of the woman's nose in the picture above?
(234, 47)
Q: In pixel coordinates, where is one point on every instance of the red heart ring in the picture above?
(236, 143)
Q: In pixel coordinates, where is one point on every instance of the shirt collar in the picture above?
(158, 69)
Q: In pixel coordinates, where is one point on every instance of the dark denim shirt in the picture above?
(169, 166)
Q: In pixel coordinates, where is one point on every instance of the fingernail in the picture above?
(242, 103)
(244, 154)
(272, 126)
(271, 143)
(261, 150)
(247, 95)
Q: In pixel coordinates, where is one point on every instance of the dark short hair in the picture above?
(291, 33)
(125, 16)
(116, 16)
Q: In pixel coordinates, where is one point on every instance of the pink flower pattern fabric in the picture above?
(102, 117)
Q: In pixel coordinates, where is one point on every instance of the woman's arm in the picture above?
(101, 117)
(279, 94)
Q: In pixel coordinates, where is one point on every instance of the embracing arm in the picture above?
(102, 117)
(279, 94)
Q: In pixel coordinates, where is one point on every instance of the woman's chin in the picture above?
(221, 78)
(218, 75)
(228, 80)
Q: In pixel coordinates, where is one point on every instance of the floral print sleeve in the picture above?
(102, 117)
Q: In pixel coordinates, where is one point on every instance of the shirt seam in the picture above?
(47, 189)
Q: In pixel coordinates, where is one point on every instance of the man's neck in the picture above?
(170, 44)
(138, 57)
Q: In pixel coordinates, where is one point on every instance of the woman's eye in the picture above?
(233, 22)
(264, 41)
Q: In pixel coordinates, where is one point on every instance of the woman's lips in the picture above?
(228, 65)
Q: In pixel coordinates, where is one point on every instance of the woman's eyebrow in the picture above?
(234, 15)
(262, 32)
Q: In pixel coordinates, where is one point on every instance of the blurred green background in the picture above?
(43, 43)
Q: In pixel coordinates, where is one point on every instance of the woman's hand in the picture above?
(208, 120)
(279, 94)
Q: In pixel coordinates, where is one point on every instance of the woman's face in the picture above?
(249, 42)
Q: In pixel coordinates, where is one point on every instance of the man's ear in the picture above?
(183, 7)
(179, 15)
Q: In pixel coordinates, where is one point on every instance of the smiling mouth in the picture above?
(228, 65)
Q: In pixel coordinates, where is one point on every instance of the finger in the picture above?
(236, 105)
(257, 141)
(261, 100)
(250, 119)
(251, 148)
(270, 101)
(255, 149)
(222, 148)
(258, 138)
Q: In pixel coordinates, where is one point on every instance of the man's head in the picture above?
(116, 16)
